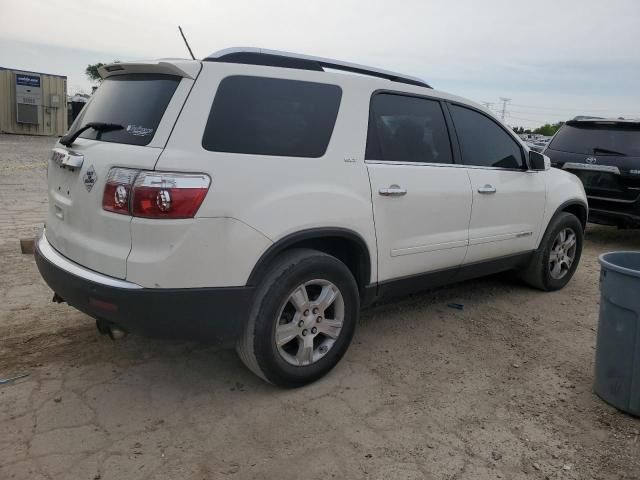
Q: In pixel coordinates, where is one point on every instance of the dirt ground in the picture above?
(501, 389)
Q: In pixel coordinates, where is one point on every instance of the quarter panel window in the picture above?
(272, 116)
(483, 141)
(407, 129)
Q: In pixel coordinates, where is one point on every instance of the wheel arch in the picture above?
(575, 207)
(344, 244)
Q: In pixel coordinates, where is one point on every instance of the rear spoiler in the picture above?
(180, 68)
(585, 121)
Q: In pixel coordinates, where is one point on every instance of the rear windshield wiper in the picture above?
(606, 151)
(69, 138)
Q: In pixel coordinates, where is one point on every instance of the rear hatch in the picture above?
(604, 154)
(143, 100)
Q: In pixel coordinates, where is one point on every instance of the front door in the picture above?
(508, 200)
(421, 201)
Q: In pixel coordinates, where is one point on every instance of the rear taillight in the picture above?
(155, 194)
(168, 195)
(117, 190)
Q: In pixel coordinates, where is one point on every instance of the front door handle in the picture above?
(392, 191)
(487, 189)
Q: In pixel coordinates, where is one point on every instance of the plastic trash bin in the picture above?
(617, 369)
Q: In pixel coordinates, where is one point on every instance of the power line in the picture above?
(569, 114)
(530, 120)
(576, 109)
(525, 119)
(544, 114)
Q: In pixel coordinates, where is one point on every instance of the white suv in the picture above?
(257, 199)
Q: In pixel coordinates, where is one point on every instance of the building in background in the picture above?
(75, 105)
(32, 103)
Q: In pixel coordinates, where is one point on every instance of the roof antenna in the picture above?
(185, 42)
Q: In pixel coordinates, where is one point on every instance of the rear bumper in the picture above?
(210, 314)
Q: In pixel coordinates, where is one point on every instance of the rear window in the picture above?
(135, 101)
(269, 116)
(598, 139)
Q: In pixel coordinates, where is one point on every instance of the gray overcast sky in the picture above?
(555, 59)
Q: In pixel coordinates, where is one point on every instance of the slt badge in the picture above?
(90, 178)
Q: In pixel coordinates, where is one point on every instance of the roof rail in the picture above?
(277, 58)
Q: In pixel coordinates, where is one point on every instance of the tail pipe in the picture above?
(111, 329)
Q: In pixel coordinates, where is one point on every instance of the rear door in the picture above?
(421, 200)
(508, 200)
(145, 101)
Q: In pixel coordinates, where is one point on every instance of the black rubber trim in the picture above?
(281, 245)
(438, 278)
(208, 314)
(569, 203)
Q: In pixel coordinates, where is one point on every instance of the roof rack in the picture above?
(276, 58)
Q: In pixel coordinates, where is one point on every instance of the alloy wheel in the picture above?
(563, 253)
(309, 322)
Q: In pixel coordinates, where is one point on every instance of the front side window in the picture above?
(484, 143)
(407, 129)
(272, 116)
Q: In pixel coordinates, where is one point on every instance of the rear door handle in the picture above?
(392, 191)
(487, 189)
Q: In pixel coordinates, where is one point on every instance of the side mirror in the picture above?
(538, 161)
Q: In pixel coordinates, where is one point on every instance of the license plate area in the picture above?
(600, 180)
(62, 180)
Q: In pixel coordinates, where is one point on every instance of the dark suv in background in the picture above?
(605, 154)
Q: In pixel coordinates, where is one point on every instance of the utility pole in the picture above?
(504, 106)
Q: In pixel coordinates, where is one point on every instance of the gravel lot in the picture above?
(501, 389)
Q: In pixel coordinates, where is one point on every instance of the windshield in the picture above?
(598, 139)
(135, 101)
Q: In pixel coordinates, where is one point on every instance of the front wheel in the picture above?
(303, 319)
(558, 255)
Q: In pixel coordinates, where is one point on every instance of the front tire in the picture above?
(303, 319)
(558, 255)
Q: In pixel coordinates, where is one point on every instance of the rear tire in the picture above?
(558, 255)
(302, 320)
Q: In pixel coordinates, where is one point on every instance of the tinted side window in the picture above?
(483, 141)
(270, 116)
(407, 129)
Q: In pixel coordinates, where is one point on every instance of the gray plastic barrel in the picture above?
(617, 371)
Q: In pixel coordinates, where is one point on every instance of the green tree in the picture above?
(548, 129)
(92, 71)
